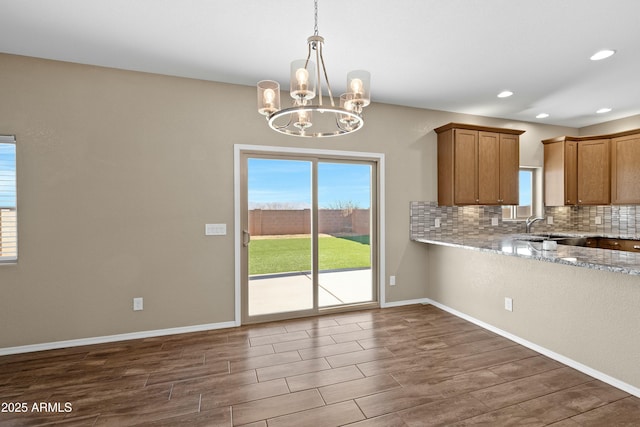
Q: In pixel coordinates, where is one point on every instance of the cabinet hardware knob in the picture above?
(636, 246)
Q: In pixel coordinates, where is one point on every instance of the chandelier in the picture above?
(309, 116)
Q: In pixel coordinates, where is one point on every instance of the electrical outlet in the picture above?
(550, 220)
(437, 223)
(598, 220)
(137, 304)
(392, 280)
(508, 304)
(494, 221)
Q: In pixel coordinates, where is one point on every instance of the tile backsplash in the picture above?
(476, 220)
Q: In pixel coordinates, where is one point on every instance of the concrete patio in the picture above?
(293, 292)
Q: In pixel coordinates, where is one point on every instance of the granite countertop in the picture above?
(515, 245)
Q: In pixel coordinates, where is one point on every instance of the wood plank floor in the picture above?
(406, 366)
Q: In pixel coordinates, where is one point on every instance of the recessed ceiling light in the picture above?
(602, 54)
(542, 116)
(603, 110)
(505, 94)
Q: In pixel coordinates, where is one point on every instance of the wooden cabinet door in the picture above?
(605, 243)
(509, 169)
(630, 245)
(554, 174)
(625, 170)
(498, 168)
(594, 185)
(571, 173)
(488, 168)
(465, 167)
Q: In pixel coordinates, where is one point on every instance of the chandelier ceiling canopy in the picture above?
(309, 115)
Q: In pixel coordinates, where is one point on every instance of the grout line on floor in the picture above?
(360, 409)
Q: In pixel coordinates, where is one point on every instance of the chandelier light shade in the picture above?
(310, 116)
(303, 82)
(358, 85)
(268, 97)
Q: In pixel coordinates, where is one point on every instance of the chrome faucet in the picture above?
(530, 221)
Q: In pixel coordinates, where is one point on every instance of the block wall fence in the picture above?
(266, 222)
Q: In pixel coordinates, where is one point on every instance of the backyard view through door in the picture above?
(344, 250)
(310, 244)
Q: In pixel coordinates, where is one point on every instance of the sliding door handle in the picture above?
(246, 238)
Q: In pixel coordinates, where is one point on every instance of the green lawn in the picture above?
(287, 255)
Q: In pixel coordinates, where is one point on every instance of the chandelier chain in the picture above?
(315, 17)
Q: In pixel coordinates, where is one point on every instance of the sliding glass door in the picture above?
(308, 235)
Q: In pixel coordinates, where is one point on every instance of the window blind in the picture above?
(8, 200)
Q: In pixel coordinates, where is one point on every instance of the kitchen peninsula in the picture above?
(576, 312)
(531, 246)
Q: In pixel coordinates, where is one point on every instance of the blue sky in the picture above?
(287, 183)
(7, 175)
(525, 188)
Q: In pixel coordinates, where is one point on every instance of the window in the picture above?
(527, 205)
(8, 201)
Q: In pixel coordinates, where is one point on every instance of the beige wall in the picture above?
(587, 315)
(119, 171)
(613, 126)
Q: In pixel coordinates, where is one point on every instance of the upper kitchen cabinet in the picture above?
(594, 174)
(592, 170)
(576, 171)
(477, 165)
(625, 169)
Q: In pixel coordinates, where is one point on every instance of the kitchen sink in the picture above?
(571, 241)
(559, 239)
(530, 238)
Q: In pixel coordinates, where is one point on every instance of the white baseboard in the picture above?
(535, 347)
(405, 302)
(112, 338)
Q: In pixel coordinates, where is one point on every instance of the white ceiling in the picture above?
(452, 55)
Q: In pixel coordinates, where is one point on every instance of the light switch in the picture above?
(215, 229)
